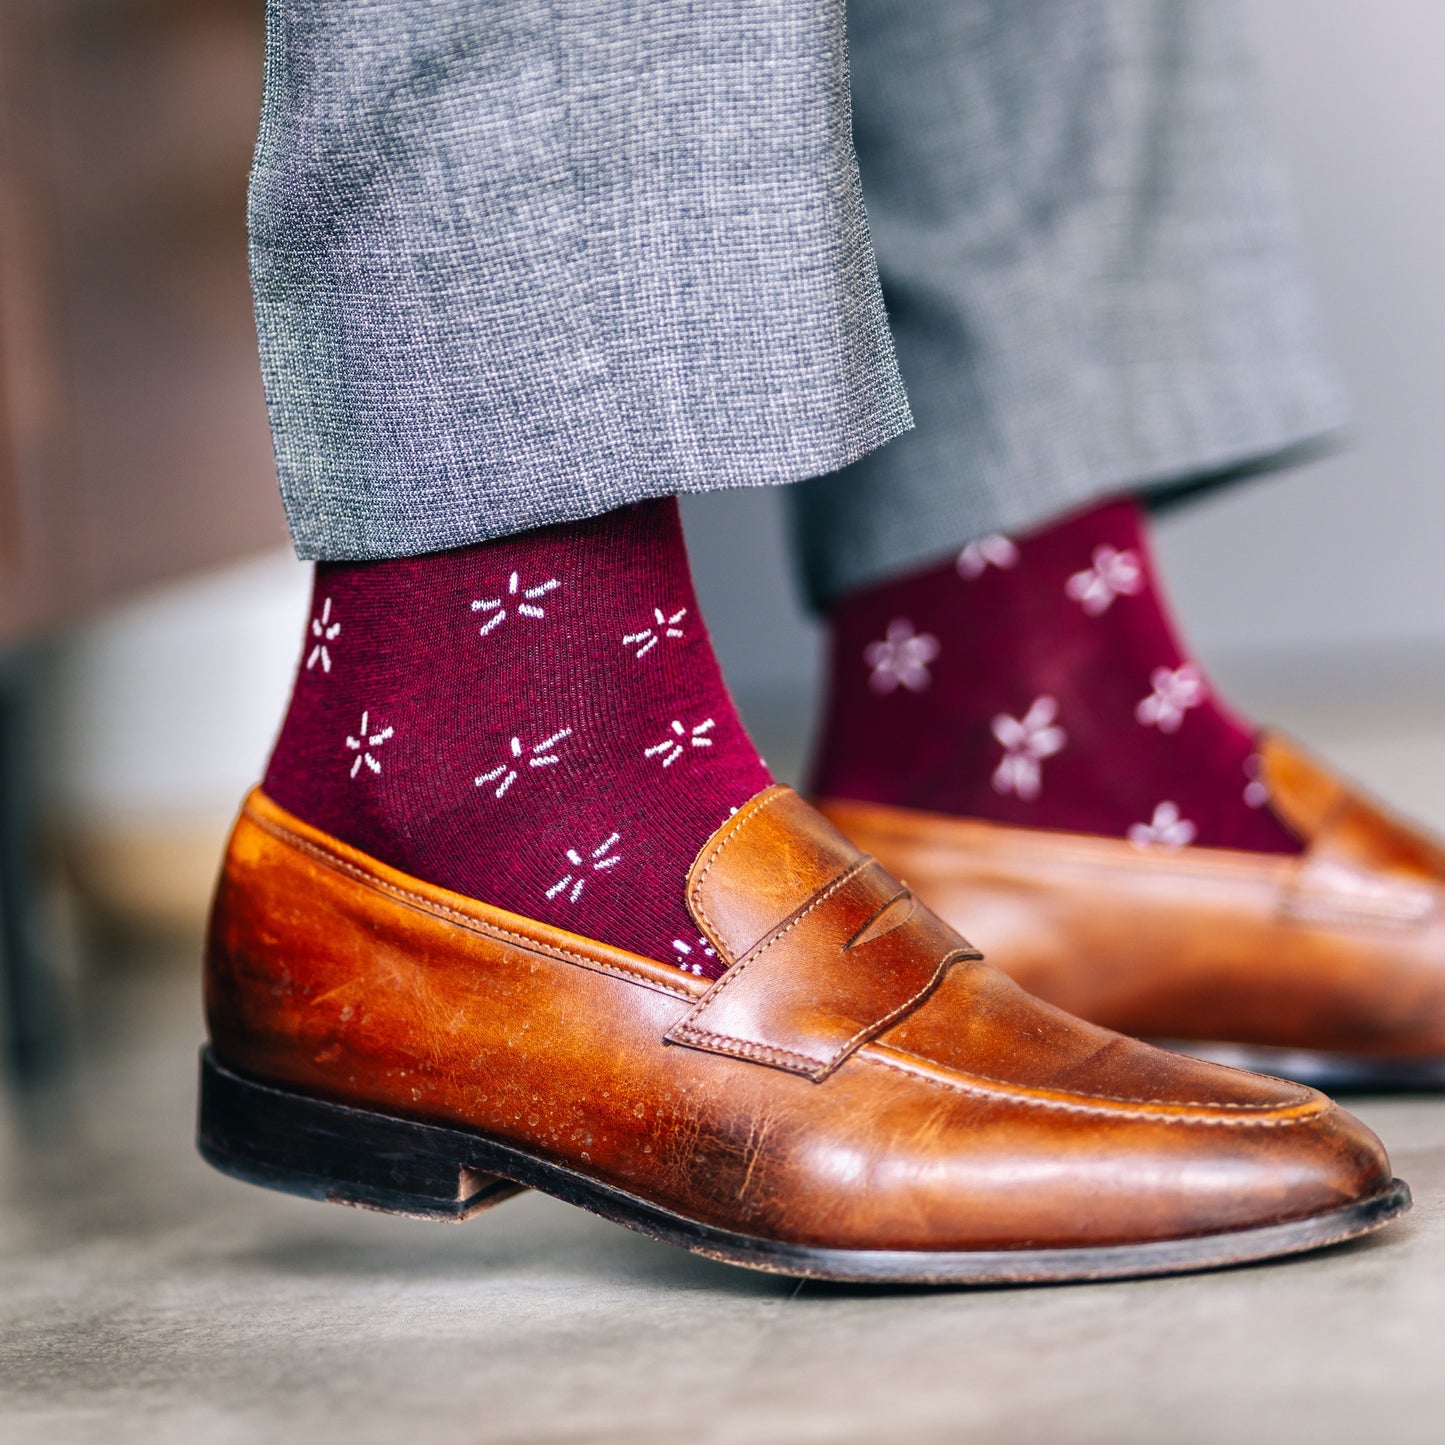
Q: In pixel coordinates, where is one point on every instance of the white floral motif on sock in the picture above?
(363, 744)
(1176, 690)
(324, 630)
(672, 748)
(1027, 741)
(1256, 791)
(995, 550)
(527, 607)
(597, 861)
(667, 627)
(542, 756)
(1113, 574)
(901, 659)
(686, 950)
(1166, 829)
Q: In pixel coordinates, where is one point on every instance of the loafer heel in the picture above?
(319, 1150)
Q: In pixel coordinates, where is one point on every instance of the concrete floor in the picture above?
(145, 1298)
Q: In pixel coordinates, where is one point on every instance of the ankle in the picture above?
(1039, 681)
(538, 722)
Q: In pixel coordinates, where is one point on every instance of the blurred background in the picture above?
(150, 613)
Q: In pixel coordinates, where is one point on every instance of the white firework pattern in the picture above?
(598, 860)
(524, 601)
(366, 743)
(671, 748)
(325, 631)
(668, 627)
(690, 955)
(540, 755)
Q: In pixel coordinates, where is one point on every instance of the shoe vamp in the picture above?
(983, 1025)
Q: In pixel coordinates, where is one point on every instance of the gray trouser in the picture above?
(524, 261)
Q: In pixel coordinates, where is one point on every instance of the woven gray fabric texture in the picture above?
(1089, 269)
(519, 262)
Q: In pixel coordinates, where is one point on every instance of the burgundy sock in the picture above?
(538, 722)
(1038, 681)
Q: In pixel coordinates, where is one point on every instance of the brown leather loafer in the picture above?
(858, 1097)
(1328, 967)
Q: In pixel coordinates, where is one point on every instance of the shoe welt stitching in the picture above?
(427, 905)
(475, 925)
(1240, 1114)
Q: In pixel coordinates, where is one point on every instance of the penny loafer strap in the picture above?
(856, 957)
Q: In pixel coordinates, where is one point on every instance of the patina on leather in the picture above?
(817, 984)
(1340, 949)
(964, 1115)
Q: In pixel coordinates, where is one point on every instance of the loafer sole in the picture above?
(321, 1150)
(1331, 1073)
